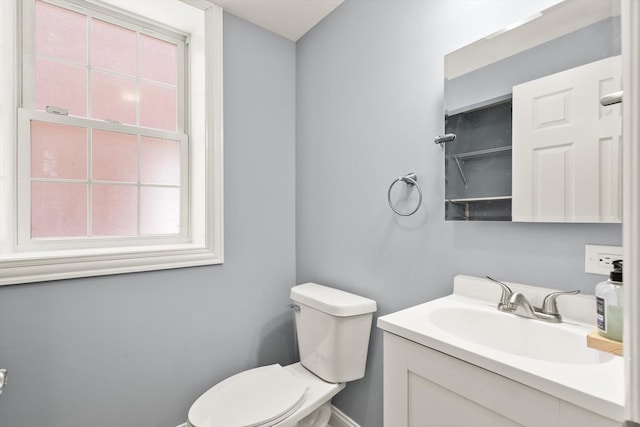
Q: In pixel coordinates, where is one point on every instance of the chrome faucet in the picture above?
(516, 303)
(506, 294)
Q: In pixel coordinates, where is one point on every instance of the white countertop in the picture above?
(598, 387)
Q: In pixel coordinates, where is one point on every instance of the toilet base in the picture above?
(318, 418)
(317, 404)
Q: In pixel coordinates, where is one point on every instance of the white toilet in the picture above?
(333, 330)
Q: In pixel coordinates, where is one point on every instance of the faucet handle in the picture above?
(549, 305)
(506, 292)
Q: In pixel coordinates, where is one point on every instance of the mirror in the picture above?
(533, 142)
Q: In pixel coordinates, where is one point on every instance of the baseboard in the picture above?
(340, 419)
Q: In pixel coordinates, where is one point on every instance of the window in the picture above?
(102, 145)
(116, 161)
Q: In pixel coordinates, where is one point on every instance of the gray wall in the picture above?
(369, 102)
(136, 350)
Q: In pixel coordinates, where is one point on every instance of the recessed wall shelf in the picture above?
(491, 208)
(478, 153)
(478, 164)
(479, 199)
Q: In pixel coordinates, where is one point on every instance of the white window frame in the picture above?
(203, 244)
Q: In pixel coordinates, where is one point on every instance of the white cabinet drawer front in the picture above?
(487, 394)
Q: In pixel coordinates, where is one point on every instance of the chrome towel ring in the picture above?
(410, 179)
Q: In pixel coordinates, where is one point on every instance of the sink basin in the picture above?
(550, 357)
(560, 343)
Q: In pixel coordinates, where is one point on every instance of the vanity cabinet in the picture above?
(427, 388)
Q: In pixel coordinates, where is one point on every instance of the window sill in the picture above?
(18, 269)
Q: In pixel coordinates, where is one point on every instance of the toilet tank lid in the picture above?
(332, 301)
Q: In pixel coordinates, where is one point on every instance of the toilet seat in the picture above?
(259, 397)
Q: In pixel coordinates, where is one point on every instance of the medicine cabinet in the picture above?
(533, 143)
(478, 163)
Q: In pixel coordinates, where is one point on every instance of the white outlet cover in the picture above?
(594, 253)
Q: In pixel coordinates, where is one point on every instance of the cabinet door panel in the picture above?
(566, 150)
(497, 394)
(431, 405)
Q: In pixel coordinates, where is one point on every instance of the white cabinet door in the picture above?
(567, 147)
(426, 388)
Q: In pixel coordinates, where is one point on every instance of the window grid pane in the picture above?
(61, 85)
(114, 210)
(115, 201)
(113, 48)
(158, 106)
(61, 33)
(113, 97)
(130, 77)
(158, 60)
(58, 209)
(58, 151)
(159, 161)
(114, 156)
(159, 210)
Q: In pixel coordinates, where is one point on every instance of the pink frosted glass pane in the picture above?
(159, 161)
(58, 209)
(113, 48)
(115, 210)
(113, 97)
(61, 33)
(158, 60)
(157, 107)
(61, 85)
(58, 151)
(113, 156)
(159, 210)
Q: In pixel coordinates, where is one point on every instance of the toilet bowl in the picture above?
(333, 330)
(268, 396)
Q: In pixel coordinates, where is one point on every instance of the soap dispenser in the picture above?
(609, 299)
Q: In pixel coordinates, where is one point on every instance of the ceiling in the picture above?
(289, 18)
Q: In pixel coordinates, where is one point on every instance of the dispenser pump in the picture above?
(616, 273)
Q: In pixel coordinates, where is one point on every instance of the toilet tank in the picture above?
(333, 329)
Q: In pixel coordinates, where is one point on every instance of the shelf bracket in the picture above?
(464, 178)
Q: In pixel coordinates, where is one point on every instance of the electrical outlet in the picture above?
(599, 259)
